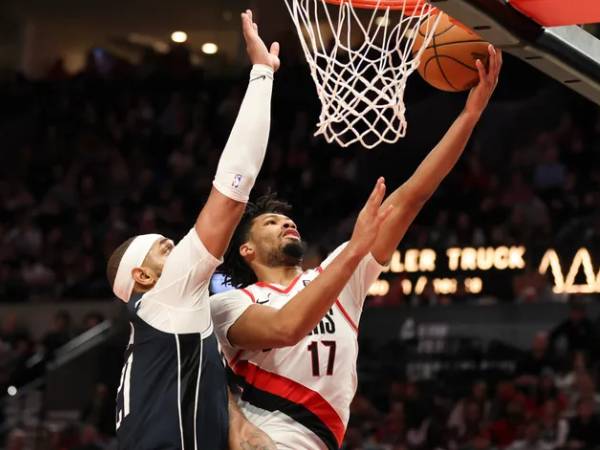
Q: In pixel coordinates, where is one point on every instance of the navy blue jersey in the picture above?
(172, 393)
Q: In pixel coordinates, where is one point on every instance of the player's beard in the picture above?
(290, 254)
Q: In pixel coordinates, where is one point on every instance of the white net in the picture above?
(360, 60)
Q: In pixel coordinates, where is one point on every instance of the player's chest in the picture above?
(333, 323)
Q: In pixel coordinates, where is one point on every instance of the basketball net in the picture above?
(360, 56)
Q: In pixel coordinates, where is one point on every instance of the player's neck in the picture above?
(282, 275)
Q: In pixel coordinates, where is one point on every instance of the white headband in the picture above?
(133, 257)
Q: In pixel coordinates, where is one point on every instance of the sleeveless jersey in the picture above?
(172, 393)
(299, 395)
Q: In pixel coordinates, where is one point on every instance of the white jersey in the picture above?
(178, 302)
(299, 395)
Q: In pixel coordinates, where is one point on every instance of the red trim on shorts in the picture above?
(275, 288)
(341, 308)
(293, 392)
(249, 294)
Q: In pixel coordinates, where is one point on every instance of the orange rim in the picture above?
(409, 6)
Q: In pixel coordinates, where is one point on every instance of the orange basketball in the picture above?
(448, 63)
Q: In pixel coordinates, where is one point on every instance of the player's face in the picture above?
(275, 240)
(157, 256)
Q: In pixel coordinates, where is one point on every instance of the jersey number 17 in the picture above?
(313, 348)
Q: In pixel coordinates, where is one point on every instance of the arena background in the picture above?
(486, 328)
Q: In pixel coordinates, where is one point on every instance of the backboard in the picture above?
(542, 32)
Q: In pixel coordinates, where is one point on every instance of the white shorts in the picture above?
(285, 432)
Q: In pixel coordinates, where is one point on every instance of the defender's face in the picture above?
(158, 254)
(271, 233)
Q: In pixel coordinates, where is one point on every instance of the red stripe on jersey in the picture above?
(347, 316)
(249, 294)
(235, 358)
(275, 288)
(293, 392)
(341, 308)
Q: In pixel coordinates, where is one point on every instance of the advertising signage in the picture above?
(487, 270)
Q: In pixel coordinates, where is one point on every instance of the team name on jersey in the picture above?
(326, 325)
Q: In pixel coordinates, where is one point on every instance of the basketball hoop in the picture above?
(360, 56)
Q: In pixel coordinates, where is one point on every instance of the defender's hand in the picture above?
(256, 48)
(480, 94)
(369, 220)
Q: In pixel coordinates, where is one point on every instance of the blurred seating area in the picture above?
(93, 158)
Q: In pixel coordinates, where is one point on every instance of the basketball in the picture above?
(448, 63)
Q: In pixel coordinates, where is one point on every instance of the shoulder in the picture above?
(226, 308)
(233, 294)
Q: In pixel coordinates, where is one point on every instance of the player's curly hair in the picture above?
(235, 269)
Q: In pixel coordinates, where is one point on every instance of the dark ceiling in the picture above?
(39, 28)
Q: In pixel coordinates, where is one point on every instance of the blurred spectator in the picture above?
(554, 429)
(471, 410)
(531, 439)
(574, 334)
(90, 440)
(99, 412)
(547, 391)
(16, 440)
(11, 330)
(583, 428)
(584, 389)
(550, 173)
(530, 368)
(577, 366)
(60, 334)
(471, 426)
(504, 431)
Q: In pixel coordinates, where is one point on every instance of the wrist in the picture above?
(471, 115)
(353, 253)
(262, 69)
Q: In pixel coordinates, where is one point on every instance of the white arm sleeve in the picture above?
(354, 293)
(226, 308)
(245, 150)
(178, 303)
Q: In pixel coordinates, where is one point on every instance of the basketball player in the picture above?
(172, 393)
(300, 395)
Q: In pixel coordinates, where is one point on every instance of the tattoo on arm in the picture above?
(248, 446)
(257, 440)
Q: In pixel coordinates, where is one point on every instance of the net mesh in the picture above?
(360, 61)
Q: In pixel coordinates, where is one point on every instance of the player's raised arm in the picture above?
(409, 198)
(244, 152)
(262, 327)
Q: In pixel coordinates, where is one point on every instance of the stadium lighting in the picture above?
(210, 48)
(12, 391)
(160, 47)
(179, 36)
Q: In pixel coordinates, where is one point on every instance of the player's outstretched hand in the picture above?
(369, 220)
(256, 48)
(488, 79)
